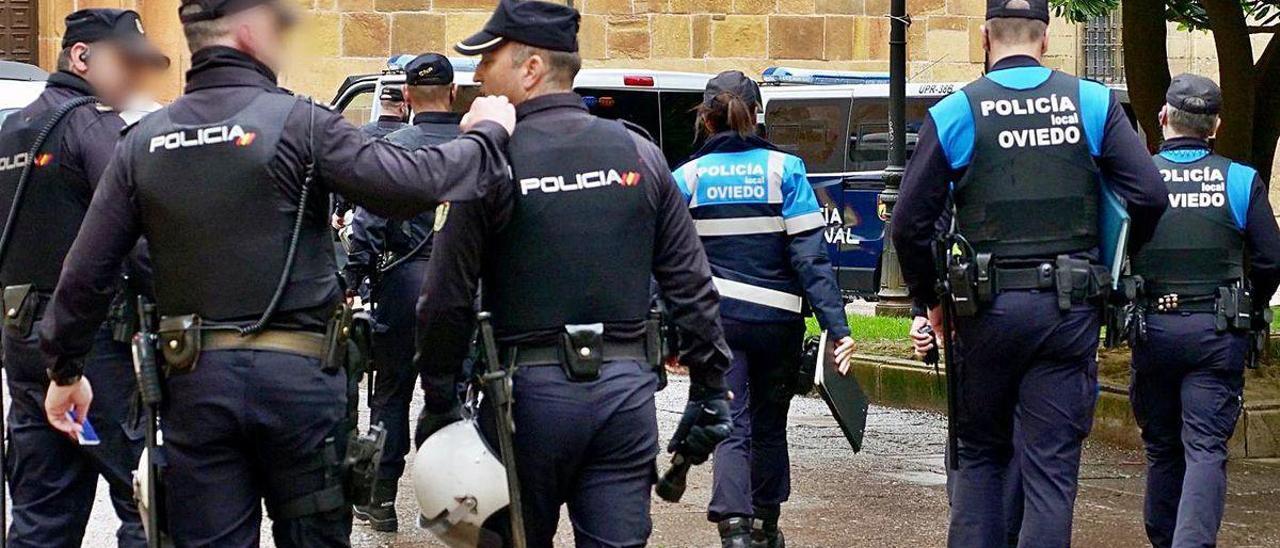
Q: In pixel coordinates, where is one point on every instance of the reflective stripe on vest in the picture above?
(759, 295)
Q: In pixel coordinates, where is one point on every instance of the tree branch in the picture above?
(1264, 29)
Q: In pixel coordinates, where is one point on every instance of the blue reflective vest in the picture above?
(745, 206)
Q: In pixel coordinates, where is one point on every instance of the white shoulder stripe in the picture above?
(776, 162)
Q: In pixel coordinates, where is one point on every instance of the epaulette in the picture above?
(638, 129)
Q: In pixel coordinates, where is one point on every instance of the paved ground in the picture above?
(889, 495)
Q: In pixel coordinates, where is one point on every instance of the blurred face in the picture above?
(498, 74)
(262, 31)
(116, 76)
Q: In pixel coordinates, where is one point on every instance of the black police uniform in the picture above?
(574, 241)
(591, 216)
(395, 254)
(247, 423)
(52, 479)
(1188, 373)
(1022, 146)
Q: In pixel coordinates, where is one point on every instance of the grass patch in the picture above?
(869, 328)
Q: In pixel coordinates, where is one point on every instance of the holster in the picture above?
(653, 346)
(123, 317)
(582, 347)
(20, 302)
(335, 339)
(806, 367)
(1233, 310)
(1079, 281)
(962, 282)
(180, 342)
(361, 462)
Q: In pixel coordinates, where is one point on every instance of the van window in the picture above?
(639, 107)
(816, 130)
(678, 118)
(869, 131)
(359, 109)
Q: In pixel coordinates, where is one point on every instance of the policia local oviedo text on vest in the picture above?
(1027, 207)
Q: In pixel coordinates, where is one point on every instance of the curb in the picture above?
(898, 382)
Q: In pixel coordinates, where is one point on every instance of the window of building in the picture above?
(1101, 53)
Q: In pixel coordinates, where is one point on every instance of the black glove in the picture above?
(706, 423)
(441, 406)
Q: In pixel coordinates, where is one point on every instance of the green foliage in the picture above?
(1187, 13)
(869, 328)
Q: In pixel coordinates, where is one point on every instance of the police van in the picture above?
(662, 102)
(838, 123)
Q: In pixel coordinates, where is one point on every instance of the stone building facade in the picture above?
(342, 37)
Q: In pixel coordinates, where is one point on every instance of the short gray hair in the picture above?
(1190, 123)
(64, 60)
(202, 34)
(562, 66)
(1016, 30)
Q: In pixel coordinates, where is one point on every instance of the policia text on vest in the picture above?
(1022, 153)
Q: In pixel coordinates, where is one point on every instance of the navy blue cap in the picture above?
(1023, 9)
(193, 11)
(120, 27)
(735, 82)
(1195, 94)
(429, 69)
(391, 93)
(539, 24)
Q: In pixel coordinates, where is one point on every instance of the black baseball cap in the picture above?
(391, 93)
(122, 28)
(1024, 9)
(429, 69)
(1195, 94)
(538, 24)
(735, 82)
(194, 11)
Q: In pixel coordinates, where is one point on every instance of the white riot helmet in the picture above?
(459, 483)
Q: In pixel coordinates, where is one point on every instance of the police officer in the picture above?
(570, 246)
(389, 120)
(220, 184)
(395, 254)
(393, 113)
(760, 222)
(1188, 367)
(1022, 152)
(53, 480)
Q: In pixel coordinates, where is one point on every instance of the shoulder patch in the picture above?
(637, 128)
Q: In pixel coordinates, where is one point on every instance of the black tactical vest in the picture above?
(579, 246)
(219, 223)
(53, 205)
(1031, 190)
(1198, 246)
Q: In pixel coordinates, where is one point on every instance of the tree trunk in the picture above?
(1146, 62)
(1235, 74)
(1266, 130)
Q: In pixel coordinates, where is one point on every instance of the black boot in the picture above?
(764, 530)
(381, 515)
(735, 533)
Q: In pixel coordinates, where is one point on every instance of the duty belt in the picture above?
(553, 354)
(1014, 279)
(301, 343)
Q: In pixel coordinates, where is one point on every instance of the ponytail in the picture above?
(727, 112)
